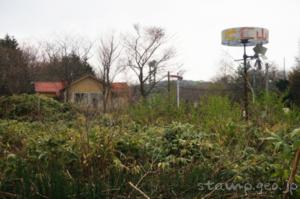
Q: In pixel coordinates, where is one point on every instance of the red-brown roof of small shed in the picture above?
(118, 86)
(49, 87)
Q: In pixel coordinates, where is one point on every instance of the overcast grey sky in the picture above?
(196, 24)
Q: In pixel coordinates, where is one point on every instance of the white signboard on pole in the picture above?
(253, 35)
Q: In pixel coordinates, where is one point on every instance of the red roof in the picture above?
(49, 87)
(119, 86)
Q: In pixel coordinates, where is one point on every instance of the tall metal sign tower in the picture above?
(243, 37)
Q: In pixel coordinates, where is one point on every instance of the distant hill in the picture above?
(186, 83)
(190, 90)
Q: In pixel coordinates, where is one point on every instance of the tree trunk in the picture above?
(142, 90)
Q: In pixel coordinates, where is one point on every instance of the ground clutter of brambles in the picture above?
(150, 150)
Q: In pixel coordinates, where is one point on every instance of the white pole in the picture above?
(177, 92)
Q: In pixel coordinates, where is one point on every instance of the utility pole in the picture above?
(254, 79)
(245, 41)
(267, 85)
(169, 88)
(177, 93)
(178, 77)
(267, 79)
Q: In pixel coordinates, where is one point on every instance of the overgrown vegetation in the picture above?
(34, 108)
(49, 150)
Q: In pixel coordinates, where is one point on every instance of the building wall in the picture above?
(119, 102)
(87, 85)
(88, 93)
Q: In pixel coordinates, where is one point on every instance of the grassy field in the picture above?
(152, 149)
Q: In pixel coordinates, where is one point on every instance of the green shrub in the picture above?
(34, 107)
(52, 152)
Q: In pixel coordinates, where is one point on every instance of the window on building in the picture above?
(81, 98)
(95, 99)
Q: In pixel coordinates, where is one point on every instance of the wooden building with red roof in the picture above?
(85, 91)
(51, 89)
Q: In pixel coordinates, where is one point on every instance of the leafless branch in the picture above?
(109, 52)
(148, 55)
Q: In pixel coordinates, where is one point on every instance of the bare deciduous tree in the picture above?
(62, 46)
(148, 56)
(66, 58)
(109, 52)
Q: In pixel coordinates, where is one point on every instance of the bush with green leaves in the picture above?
(34, 107)
(162, 150)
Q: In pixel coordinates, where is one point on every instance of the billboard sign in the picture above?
(253, 35)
